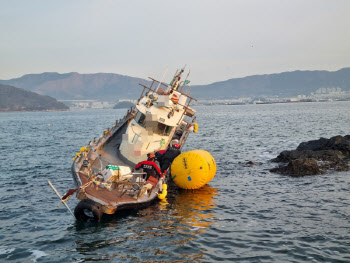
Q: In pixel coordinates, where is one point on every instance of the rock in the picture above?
(313, 145)
(250, 163)
(342, 145)
(341, 167)
(287, 156)
(337, 166)
(334, 141)
(333, 153)
(299, 167)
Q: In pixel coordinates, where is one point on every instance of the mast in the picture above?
(176, 81)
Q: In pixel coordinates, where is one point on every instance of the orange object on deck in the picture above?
(175, 98)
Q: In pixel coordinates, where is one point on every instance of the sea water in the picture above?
(244, 214)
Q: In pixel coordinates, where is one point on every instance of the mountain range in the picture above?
(111, 87)
(286, 84)
(75, 86)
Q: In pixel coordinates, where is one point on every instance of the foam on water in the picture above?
(37, 254)
(5, 250)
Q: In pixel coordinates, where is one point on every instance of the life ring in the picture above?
(88, 211)
(175, 97)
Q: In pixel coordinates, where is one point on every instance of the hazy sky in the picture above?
(217, 39)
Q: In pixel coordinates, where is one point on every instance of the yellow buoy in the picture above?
(195, 128)
(76, 156)
(193, 169)
(84, 149)
(164, 192)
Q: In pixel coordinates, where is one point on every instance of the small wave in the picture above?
(37, 254)
(267, 155)
(6, 250)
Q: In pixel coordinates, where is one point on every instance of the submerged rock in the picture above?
(299, 167)
(315, 157)
(250, 163)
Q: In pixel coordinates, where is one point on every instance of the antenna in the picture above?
(166, 70)
(184, 83)
(171, 83)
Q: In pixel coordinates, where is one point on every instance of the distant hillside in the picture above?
(123, 105)
(70, 86)
(287, 84)
(15, 99)
(112, 87)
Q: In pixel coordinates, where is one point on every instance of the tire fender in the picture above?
(88, 211)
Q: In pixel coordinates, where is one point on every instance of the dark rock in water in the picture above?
(333, 153)
(335, 143)
(250, 163)
(299, 167)
(314, 145)
(322, 155)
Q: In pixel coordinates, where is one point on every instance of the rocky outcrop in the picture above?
(315, 157)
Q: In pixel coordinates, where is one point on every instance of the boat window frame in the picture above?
(164, 131)
(140, 119)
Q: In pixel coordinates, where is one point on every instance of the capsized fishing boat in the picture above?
(104, 169)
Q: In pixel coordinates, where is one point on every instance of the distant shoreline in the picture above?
(31, 111)
(217, 103)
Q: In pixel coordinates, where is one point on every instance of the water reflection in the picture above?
(193, 209)
(163, 232)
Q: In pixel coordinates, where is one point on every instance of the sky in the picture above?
(217, 40)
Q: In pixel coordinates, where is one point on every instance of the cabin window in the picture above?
(163, 129)
(140, 118)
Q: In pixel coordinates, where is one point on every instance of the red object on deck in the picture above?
(152, 180)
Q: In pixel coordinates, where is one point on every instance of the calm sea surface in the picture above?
(245, 214)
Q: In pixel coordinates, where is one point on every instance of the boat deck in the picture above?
(109, 196)
(121, 196)
(115, 197)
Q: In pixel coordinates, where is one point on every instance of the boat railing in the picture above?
(118, 124)
(98, 157)
(185, 106)
(160, 91)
